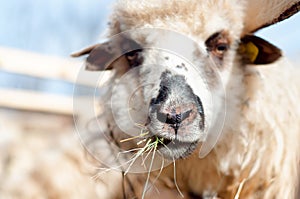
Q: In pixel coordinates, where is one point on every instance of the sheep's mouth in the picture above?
(173, 148)
(162, 142)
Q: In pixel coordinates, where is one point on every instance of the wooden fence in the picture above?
(45, 68)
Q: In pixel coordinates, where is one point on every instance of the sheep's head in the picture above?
(172, 64)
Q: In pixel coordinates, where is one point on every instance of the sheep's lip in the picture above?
(174, 148)
(163, 141)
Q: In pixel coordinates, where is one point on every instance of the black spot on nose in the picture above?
(162, 96)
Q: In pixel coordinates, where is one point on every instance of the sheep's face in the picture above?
(171, 81)
(171, 70)
(170, 84)
(177, 87)
(175, 84)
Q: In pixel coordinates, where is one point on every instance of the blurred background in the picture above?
(39, 150)
(53, 27)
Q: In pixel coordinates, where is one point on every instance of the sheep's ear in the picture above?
(263, 13)
(255, 50)
(84, 51)
(107, 55)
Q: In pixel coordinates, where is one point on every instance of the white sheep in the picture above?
(219, 101)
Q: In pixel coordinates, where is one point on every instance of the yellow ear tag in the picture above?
(250, 51)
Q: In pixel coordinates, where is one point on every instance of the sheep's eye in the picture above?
(132, 55)
(217, 44)
(222, 48)
(134, 58)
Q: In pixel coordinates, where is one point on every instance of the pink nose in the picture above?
(172, 117)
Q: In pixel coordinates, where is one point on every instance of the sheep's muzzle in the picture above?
(176, 115)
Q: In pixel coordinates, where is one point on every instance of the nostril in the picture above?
(185, 115)
(172, 118)
(161, 116)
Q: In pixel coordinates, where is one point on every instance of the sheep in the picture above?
(197, 105)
